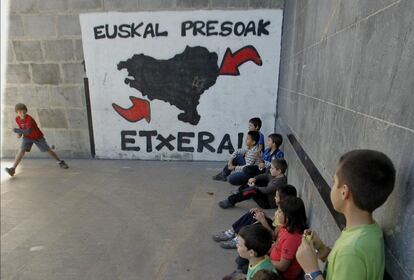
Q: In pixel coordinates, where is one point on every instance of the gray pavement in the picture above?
(114, 219)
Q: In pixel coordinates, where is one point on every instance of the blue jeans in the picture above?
(237, 161)
(238, 178)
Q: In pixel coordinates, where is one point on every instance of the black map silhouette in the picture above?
(179, 81)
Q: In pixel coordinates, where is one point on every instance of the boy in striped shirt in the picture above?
(241, 157)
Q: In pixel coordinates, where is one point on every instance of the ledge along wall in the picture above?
(346, 83)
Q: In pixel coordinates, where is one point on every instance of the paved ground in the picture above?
(114, 219)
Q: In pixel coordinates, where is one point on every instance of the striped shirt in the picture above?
(249, 155)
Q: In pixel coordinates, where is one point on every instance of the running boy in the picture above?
(30, 134)
(363, 181)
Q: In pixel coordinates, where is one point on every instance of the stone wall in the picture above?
(45, 64)
(346, 82)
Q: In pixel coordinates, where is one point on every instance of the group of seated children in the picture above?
(282, 246)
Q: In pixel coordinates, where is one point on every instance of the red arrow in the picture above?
(139, 110)
(231, 62)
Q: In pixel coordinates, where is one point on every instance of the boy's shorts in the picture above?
(40, 143)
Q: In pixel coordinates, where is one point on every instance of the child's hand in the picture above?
(261, 165)
(251, 182)
(255, 210)
(306, 256)
(260, 217)
(312, 237)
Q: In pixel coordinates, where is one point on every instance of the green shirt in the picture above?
(357, 254)
(264, 264)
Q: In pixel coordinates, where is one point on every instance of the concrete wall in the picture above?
(346, 82)
(45, 63)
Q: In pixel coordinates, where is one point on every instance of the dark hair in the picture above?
(277, 139)
(295, 215)
(266, 275)
(287, 191)
(280, 163)
(257, 238)
(369, 174)
(257, 122)
(20, 107)
(255, 135)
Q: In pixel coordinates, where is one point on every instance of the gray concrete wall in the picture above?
(346, 82)
(45, 63)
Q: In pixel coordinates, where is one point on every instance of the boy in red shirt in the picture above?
(31, 134)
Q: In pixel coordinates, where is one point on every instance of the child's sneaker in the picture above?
(224, 204)
(231, 244)
(219, 177)
(10, 170)
(223, 236)
(63, 164)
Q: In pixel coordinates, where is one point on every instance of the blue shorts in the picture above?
(40, 143)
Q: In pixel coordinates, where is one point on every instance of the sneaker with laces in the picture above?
(224, 204)
(222, 236)
(63, 164)
(231, 244)
(10, 170)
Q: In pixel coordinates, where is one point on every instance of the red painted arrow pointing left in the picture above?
(139, 110)
(231, 62)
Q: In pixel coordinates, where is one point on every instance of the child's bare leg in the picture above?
(19, 158)
(53, 154)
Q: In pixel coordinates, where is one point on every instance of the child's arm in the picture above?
(307, 258)
(260, 217)
(22, 131)
(282, 265)
(271, 187)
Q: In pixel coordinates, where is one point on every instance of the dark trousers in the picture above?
(245, 193)
(245, 220)
(237, 161)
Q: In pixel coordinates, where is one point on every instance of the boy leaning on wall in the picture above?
(363, 181)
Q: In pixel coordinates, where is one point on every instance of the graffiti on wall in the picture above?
(162, 80)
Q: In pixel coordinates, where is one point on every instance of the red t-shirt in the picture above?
(285, 247)
(27, 123)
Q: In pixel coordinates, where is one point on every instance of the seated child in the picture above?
(30, 134)
(241, 157)
(274, 141)
(228, 239)
(363, 181)
(291, 215)
(253, 243)
(263, 196)
(290, 224)
(255, 124)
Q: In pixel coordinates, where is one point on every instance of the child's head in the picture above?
(274, 141)
(253, 241)
(364, 178)
(278, 167)
(255, 124)
(266, 275)
(20, 109)
(292, 214)
(252, 138)
(283, 192)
